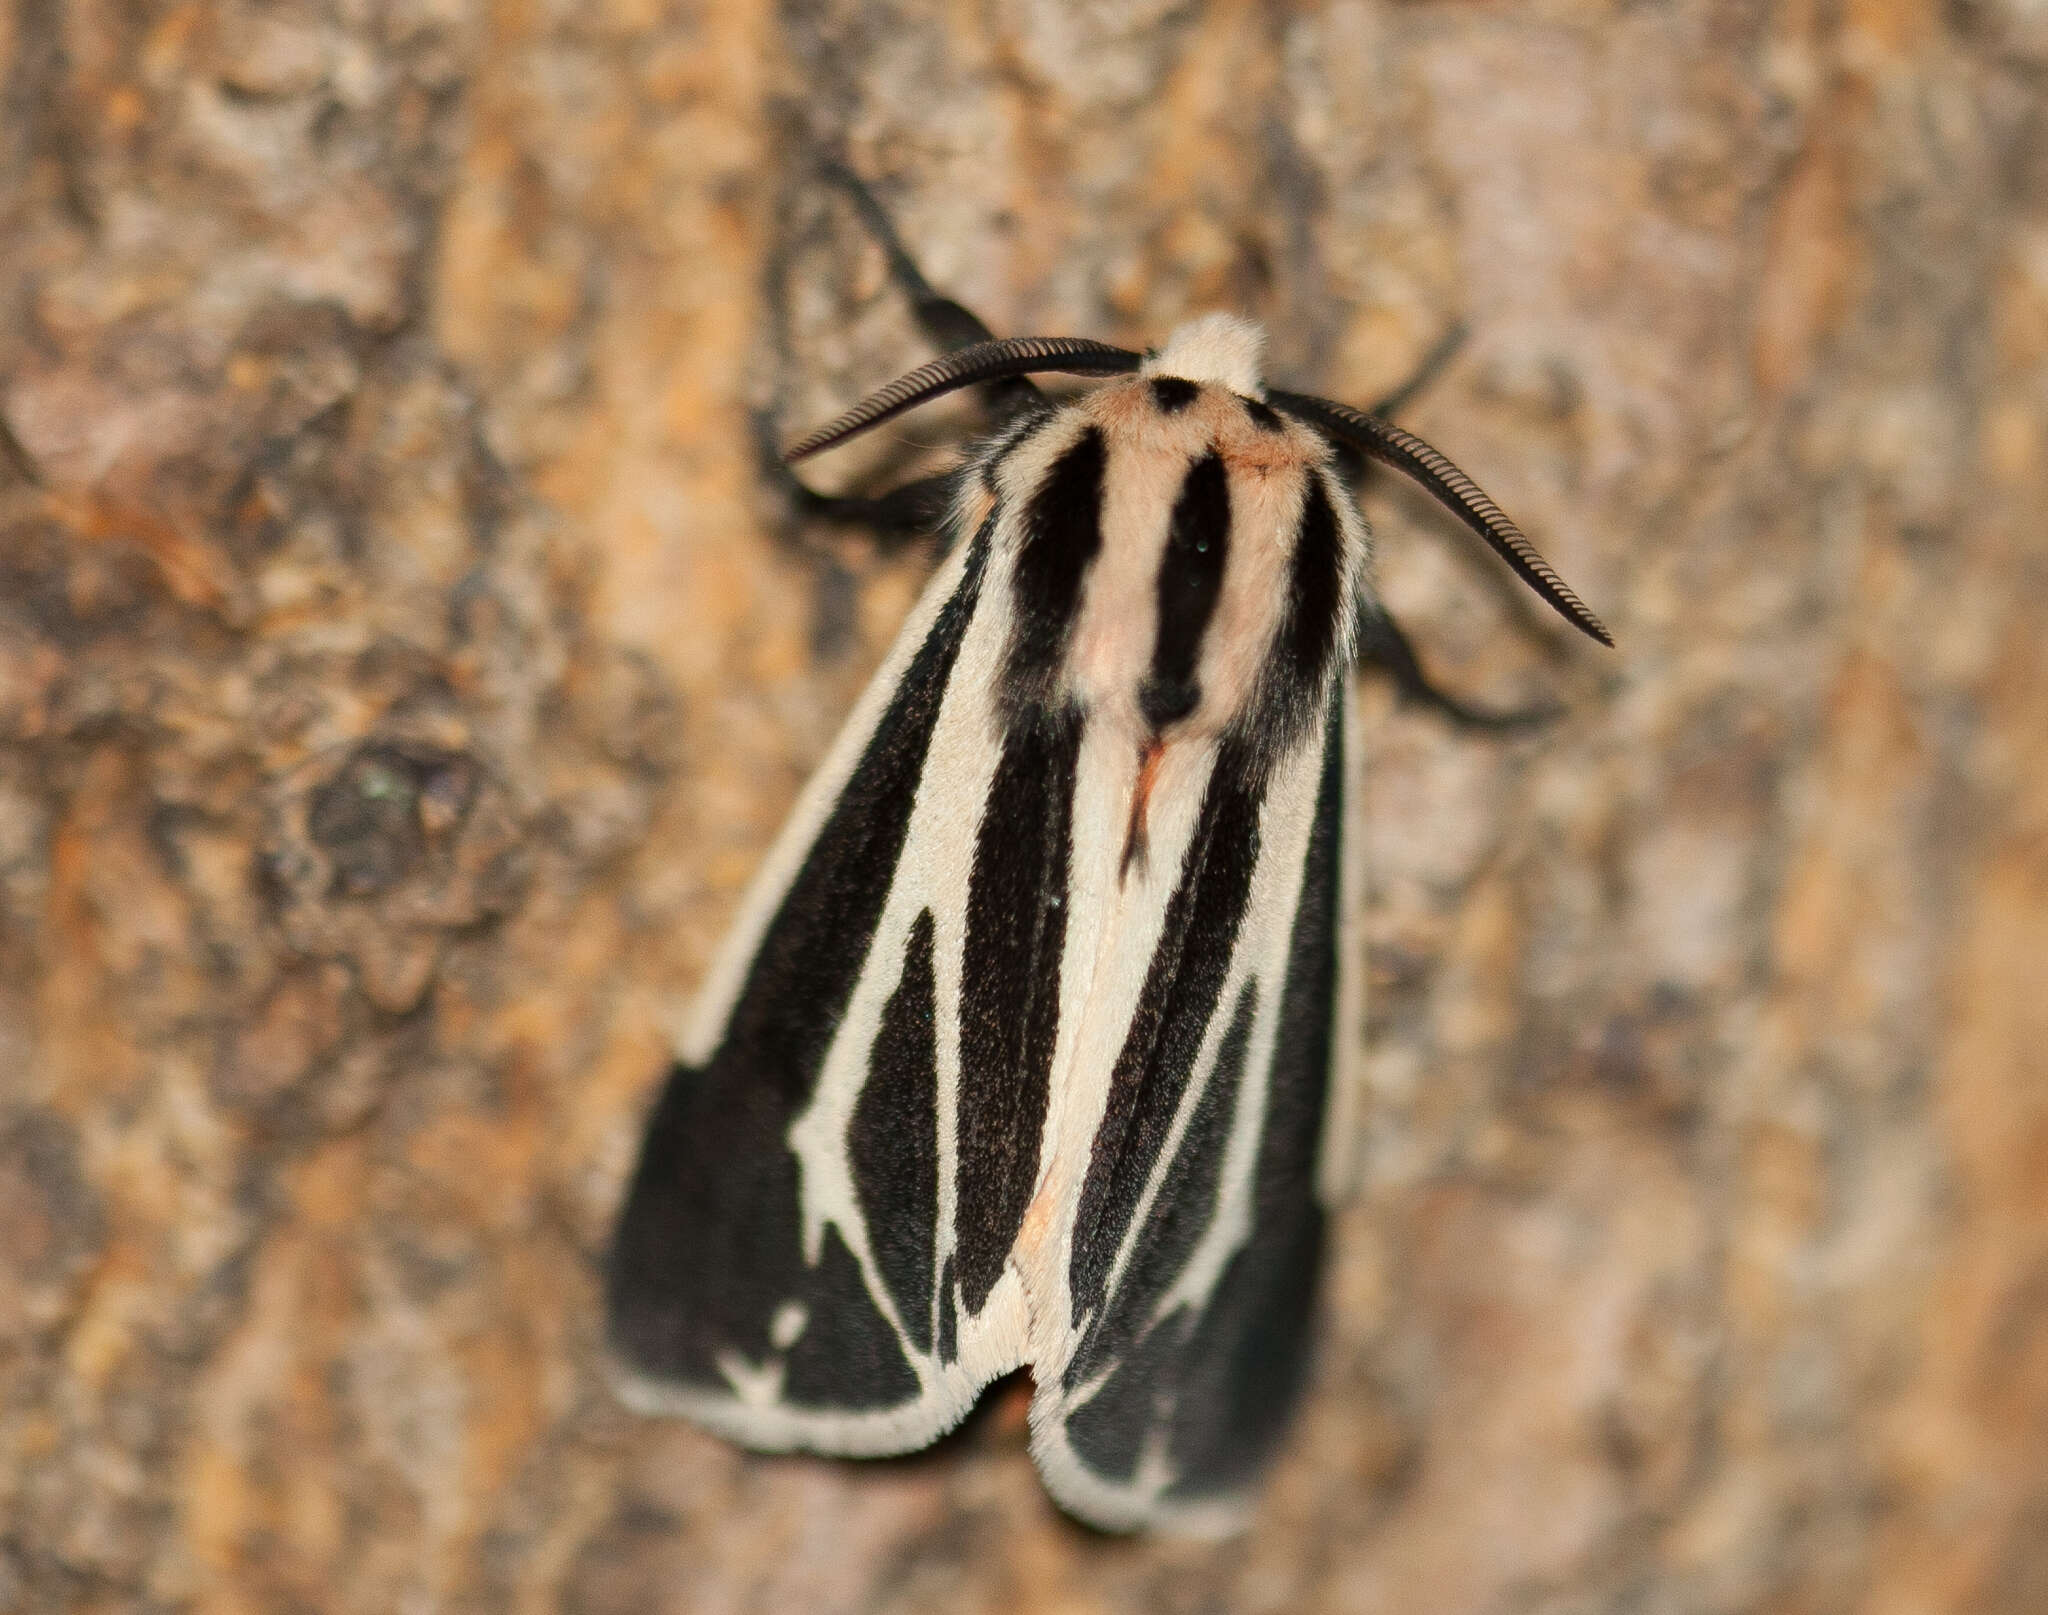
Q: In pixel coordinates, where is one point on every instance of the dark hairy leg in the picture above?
(945, 323)
(917, 509)
(1383, 646)
(901, 516)
(1432, 365)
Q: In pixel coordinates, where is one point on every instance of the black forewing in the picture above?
(1160, 1050)
(1211, 1385)
(1242, 1366)
(709, 1246)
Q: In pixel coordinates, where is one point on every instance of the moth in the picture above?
(1036, 1039)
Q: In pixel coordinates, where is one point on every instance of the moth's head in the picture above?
(1205, 358)
(1184, 563)
(1220, 350)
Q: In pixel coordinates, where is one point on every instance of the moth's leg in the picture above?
(944, 322)
(916, 510)
(1383, 646)
(1433, 364)
(1352, 465)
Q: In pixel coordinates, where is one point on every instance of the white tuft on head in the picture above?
(1224, 350)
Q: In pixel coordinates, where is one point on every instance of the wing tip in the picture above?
(1122, 1507)
(777, 1427)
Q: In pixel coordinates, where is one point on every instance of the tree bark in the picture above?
(403, 666)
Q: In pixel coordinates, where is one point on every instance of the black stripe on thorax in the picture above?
(1298, 667)
(1062, 532)
(1190, 579)
(1315, 590)
(1264, 416)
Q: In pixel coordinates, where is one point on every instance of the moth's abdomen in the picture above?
(1181, 563)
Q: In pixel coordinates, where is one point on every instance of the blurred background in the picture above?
(403, 666)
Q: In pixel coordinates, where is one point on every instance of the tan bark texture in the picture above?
(403, 666)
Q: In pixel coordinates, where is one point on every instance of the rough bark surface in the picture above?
(402, 667)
